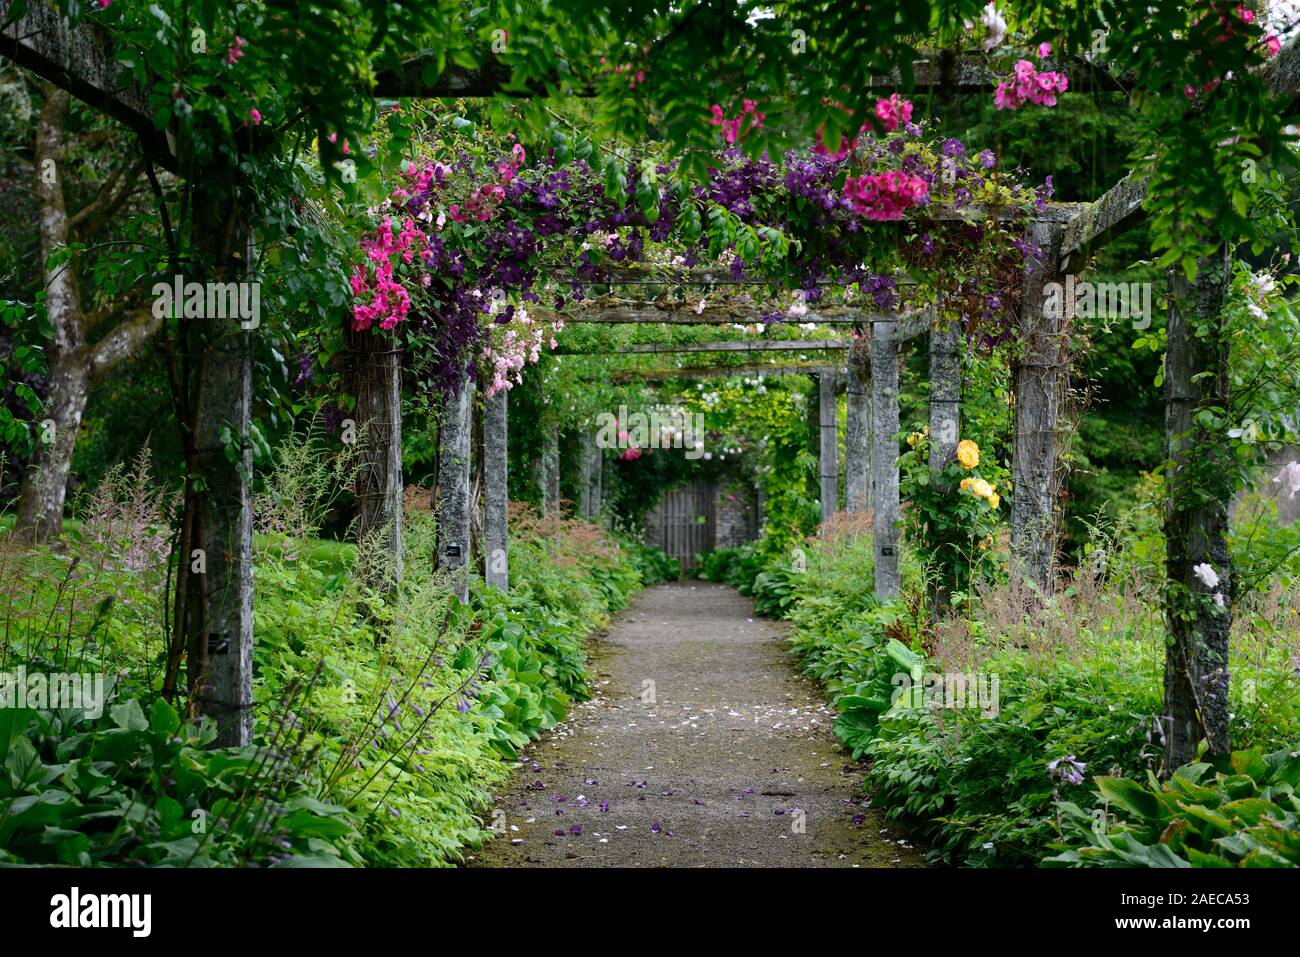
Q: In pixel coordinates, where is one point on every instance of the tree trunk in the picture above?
(44, 485)
(829, 450)
(1040, 376)
(1198, 489)
(496, 475)
(857, 436)
(453, 507)
(945, 422)
(884, 456)
(74, 367)
(375, 380)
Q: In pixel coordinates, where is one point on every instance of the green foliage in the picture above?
(1080, 678)
(394, 717)
(654, 564)
(1243, 813)
(137, 789)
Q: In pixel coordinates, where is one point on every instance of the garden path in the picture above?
(705, 745)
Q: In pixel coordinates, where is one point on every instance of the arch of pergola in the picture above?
(870, 383)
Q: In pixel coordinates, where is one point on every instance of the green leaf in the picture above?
(1129, 795)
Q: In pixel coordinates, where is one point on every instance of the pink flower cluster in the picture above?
(418, 180)
(884, 196)
(236, 52)
(1272, 44)
(635, 75)
(1029, 86)
(731, 128)
(892, 112)
(483, 203)
(517, 348)
(389, 302)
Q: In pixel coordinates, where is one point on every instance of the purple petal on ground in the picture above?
(576, 829)
(656, 827)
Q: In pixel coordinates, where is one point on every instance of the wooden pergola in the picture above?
(80, 60)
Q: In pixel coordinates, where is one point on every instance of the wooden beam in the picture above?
(79, 59)
(720, 313)
(409, 80)
(734, 345)
(717, 313)
(715, 372)
(1118, 209)
(967, 72)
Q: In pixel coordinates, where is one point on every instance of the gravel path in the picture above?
(701, 746)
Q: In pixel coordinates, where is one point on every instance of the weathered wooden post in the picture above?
(1198, 487)
(219, 603)
(598, 485)
(589, 476)
(1039, 380)
(550, 472)
(829, 451)
(945, 394)
(857, 435)
(884, 456)
(375, 378)
(945, 421)
(455, 429)
(496, 477)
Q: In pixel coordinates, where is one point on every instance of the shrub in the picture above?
(1244, 813)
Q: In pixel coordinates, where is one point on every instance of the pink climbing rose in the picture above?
(884, 196)
(732, 128)
(1029, 86)
(893, 112)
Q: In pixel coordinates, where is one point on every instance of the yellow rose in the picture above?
(965, 483)
(981, 488)
(968, 454)
(914, 438)
(994, 500)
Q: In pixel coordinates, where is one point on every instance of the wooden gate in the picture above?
(684, 523)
